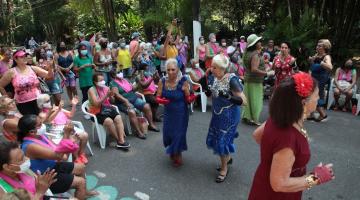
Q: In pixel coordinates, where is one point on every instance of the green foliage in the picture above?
(127, 23)
(306, 32)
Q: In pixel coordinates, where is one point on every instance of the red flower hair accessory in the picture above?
(303, 84)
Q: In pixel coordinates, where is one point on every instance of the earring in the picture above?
(304, 114)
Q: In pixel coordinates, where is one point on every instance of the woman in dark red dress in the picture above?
(281, 174)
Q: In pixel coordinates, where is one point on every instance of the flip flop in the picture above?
(91, 193)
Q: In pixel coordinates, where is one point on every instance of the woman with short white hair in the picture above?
(228, 96)
(173, 92)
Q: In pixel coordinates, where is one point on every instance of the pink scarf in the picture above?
(26, 182)
(102, 91)
(47, 144)
(124, 84)
(65, 145)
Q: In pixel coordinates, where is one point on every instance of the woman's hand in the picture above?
(61, 105)
(68, 130)
(74, 100)
(43, 181)
(110, 93)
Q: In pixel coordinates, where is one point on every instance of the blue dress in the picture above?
(322, 76)
(176, 118)
(225, 118)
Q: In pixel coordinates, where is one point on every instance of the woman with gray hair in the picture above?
(173, 92)
(228, 96)
(211, 49)
(321, 67)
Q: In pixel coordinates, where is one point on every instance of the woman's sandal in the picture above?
(320, 119)
(229, 163)
(221, 178)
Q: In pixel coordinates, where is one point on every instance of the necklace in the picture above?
(303, 132)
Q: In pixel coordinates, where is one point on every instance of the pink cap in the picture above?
(20, 53)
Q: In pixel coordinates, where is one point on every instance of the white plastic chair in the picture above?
(358, 104)
(100, 130)
(331, 94)
(202, 96)
(331, 98)
(80, 126)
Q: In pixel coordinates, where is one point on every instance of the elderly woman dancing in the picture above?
(173, 92)
(227, 97)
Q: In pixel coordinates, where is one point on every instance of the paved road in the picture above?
(146, 170)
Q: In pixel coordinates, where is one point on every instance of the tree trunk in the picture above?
(322, 10)
(108, 7)
(196, 10)
(291, 22)
(145, 6)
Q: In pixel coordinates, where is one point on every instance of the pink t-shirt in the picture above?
(132, 47)
(26, 86)
(202, 53)
(61, 118)
(242, 46)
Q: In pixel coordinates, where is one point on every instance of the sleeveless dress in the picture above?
(322, 76)
(253, 88)
(224, 121)
(65, 62)
(176, 118)
(273, 140)
(105, 70)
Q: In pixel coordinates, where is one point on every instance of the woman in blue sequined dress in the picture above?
(228, 95)
(321, 67)
(173, 92)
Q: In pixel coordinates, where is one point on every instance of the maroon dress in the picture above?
(273, 140)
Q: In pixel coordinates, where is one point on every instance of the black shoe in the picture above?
(221, 178)
(321, 119)
(143, 137)
(311, 118)
(153, 129)
(124, 145)
(229, 163)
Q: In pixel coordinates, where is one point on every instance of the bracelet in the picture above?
(310, 180)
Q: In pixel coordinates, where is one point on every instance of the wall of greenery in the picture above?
(301, 22)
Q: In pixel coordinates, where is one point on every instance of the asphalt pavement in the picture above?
(145, 172)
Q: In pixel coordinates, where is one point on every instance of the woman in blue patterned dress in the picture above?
(228, 95)
(173, 92)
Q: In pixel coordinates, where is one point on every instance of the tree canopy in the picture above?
(297, 21)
